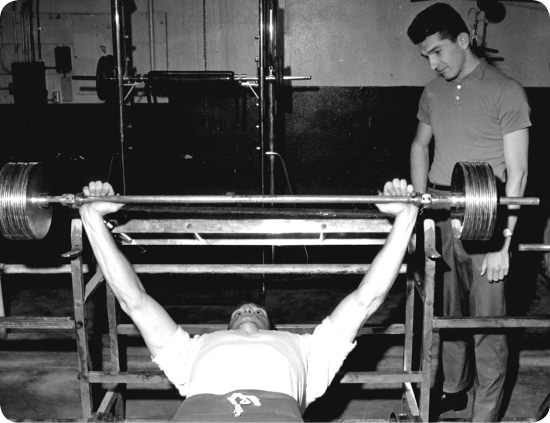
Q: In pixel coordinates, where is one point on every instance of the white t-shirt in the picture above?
(301, 366)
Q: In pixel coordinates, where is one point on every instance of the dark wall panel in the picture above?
(337, 140)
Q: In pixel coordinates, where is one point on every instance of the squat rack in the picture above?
(112, 75)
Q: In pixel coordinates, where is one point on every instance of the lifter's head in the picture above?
(250, 315)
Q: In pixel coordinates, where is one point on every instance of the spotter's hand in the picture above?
(398, 187)
(99, 189)
(496, 265)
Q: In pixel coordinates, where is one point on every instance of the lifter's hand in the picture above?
(98, 188)
(398, 187)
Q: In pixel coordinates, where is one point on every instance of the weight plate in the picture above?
(475, 217)
(105, 74)
(22, 217)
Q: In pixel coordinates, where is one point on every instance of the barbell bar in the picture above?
(26, 212)
(106, 79)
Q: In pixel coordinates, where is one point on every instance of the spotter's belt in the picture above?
(431, 185)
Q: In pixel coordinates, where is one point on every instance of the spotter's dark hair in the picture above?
(438, 18)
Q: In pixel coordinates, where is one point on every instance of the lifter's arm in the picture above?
(153, 322)
(357, 307)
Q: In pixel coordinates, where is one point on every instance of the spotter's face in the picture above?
(249, 315)
(446, 57)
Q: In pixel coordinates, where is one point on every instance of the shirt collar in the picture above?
(479, 71)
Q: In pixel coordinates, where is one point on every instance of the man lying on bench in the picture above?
(248, 372)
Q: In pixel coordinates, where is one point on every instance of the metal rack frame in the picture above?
(414, 378)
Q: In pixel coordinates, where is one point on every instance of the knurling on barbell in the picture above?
(26, 212)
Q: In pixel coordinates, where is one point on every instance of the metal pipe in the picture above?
(271, 105)
(534, 247)
(272, 269)
(153, 77)
(31, 29)
(117, 44)
(420, 200)
(38, 30)
(519, 201)
(261, 87)
(151, 14)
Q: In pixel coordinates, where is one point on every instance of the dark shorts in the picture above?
(273, 407)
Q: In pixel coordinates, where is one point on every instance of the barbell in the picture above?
(26, 212)
(106, 78)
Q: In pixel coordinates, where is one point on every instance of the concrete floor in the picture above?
(38, 371)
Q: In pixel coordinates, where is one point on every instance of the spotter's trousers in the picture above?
(480, 359)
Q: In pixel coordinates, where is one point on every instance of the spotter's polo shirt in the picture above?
(470, 117)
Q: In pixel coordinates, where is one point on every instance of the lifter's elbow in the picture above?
(135, 303)
(366, 306)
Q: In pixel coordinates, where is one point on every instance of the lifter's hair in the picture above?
(438, 18)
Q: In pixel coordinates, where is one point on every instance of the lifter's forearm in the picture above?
(358, 306)
(116, 268)
(385, 267)
(151, 319)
